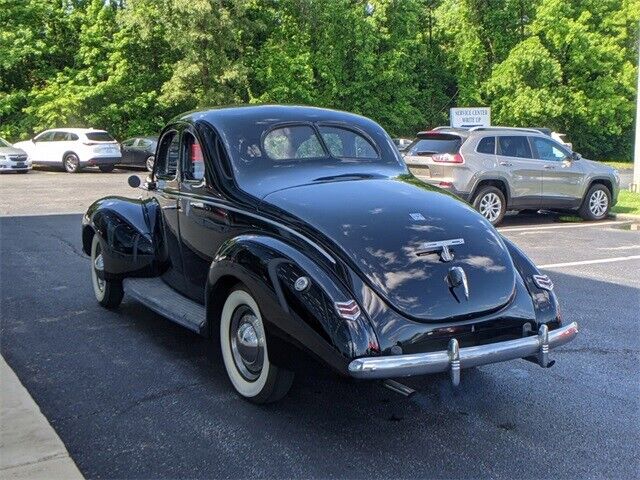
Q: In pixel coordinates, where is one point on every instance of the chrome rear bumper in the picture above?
(455, 358)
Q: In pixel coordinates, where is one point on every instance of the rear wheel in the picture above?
(106, 168)
(149, 163)
(491, 204)
(596, 203)
(71, 163)
(245, 352)
(109, 293)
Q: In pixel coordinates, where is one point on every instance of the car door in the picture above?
(126, 148)
(523, 172)
(40, 147)
(166, 194)
(562, 178)
(204, 226)
(63, 143)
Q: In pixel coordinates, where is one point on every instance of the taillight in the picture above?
(448, 158)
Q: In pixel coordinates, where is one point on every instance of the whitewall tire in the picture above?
(245, 353)
(108, 293)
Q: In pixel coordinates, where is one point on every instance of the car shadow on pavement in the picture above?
(133, 395)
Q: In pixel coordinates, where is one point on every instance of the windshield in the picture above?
(4, 143)
(437, 144)
(99, 137)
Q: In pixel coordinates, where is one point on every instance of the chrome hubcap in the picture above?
(98, 266)
(490, 207)
(71, 163)
(598, 203)
(247, 343)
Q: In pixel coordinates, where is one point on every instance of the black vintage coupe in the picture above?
(278, 229)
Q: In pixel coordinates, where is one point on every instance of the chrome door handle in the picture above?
(549, 167)
(197, 205)
(506, 164)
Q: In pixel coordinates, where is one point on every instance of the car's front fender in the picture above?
(129, 234)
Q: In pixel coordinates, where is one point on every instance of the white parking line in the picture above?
(590, 262)
(566, 225)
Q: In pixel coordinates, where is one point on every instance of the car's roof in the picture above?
(271, 114)
(480, 131)
(74, 130)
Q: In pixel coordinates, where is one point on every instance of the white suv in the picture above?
(73, 148)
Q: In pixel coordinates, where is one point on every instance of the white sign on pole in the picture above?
(470, 117)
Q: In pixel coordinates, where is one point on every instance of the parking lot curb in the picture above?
(29, 446)
(625, 216)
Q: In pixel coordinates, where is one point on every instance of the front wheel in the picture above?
(109, 293)
(596, 203)
(149, 163)
(106, 168)
(71, 163)
(491, 204)
(245, 353)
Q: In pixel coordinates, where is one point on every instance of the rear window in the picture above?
(99, 137)
(345, 143)
(435, 144)
(293, 143)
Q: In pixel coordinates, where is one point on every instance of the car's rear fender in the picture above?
(269, 267)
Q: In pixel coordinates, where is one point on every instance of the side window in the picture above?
(167, 161)
(193, 159)
(44, 137)
(71, 137)
(514, 147)
(60, 136)
(344, 143)
(487, 145)
(291, 143)
(548, 150)
(128, 143)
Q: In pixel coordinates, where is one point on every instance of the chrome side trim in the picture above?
(455, 358)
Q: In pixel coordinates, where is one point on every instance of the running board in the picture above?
(164, 300)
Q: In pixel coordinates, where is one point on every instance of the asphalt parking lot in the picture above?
(134, 396)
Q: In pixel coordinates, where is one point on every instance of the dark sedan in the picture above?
(139, 152)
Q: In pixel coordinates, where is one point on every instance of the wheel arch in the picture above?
(268, 267)
(500, 183)
(70, 152)
(606, 182)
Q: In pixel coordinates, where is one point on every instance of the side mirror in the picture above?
(134, 181)
(575, 156)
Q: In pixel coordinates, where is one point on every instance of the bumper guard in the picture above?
(455, 358)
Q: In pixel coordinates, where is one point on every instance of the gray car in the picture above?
(498, 169)
(13, 159)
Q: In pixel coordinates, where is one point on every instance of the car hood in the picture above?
(381, 225)
(11, 151)
(597, 167)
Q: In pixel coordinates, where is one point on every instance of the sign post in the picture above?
(470, 117)
(635, 182)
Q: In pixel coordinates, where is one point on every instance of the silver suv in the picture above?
(498, 169)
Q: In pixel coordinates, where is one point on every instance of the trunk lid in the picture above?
(381, 225)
